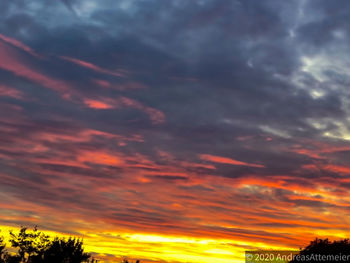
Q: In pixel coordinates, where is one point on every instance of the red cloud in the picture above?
(12, 61)
(337, 169)
(224, 160)
(93, 67)
(18, 44)
(155, 115)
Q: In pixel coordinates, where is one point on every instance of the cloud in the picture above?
(155, 115)
(224, 160)
(67, 3)
(13, 62)
(10, 92)
(93, 67)
(147, 119)
(18, 44)
(95, 104)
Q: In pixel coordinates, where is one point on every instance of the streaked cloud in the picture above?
(224, 160)
(93, 67)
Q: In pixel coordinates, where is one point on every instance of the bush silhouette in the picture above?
(323, 250)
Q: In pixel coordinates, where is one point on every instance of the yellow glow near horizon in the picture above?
(179, 249)
(158, 247)
(153, 247)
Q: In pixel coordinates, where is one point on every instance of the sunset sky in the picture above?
(176, 130)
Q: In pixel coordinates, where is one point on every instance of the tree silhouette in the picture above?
(323, 250)
(31, 245)
(36, 247)
(62, 250)
(2, 250)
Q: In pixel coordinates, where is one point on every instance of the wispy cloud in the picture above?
(93, 67)
(18, 44)
(225, 160)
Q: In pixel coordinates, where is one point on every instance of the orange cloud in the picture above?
(95, 104)
(224, 160)
(155, 115)
(103, 158)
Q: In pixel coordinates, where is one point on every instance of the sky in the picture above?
(176, 130)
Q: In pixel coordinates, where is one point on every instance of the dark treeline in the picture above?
(34, 246)
(324, 250)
